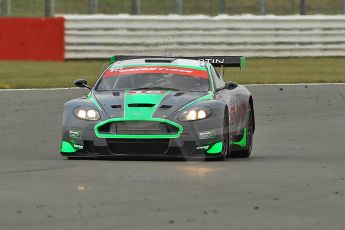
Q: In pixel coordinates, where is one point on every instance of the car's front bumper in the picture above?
(196, 140)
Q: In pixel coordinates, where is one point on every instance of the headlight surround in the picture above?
(194, 114)
(87, 113)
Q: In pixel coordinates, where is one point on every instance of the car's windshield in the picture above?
(154, 77)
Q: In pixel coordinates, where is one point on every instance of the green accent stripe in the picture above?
(242, 63)
(208, 96)
(112, 59)
(211, 76)
(67, 147)
(142, 113)
(216, 148)
(243, 142)
(159, 64)
(94, 100)
(139, 136)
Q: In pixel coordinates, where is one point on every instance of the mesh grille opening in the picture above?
(138, 128)
(138, 146)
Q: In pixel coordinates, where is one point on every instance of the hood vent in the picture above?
(116, 106)
(141, 105)
(178, 94)
(165, 106)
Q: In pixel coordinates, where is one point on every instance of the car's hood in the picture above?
(144, 104)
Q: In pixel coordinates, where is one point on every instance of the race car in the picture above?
(161, 107)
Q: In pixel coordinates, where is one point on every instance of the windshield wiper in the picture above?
(156, 88)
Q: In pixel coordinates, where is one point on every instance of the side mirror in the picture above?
(228, 85)
(81, 83)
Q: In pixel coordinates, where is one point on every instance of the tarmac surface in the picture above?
(295, 178)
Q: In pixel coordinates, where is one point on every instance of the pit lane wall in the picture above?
(101, 36)
(36, 39)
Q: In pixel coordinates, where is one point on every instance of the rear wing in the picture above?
(216, 61)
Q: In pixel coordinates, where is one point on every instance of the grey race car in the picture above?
(159, 106)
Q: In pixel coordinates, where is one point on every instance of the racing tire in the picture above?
(245, 153)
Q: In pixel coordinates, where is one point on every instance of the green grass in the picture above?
(259, 70)
(290, 70)
(29, 8)
(20, 74)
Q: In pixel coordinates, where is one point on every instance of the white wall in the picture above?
(101, 36)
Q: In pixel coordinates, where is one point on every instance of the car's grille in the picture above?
(138, 146)
(137, 127)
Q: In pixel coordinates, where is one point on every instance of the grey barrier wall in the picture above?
(100, 36)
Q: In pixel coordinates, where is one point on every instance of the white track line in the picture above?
(298, 84)
(316, 84)
(38, 89)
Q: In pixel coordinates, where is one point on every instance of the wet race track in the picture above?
(295, 178)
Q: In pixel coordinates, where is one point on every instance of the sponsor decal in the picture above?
(75, 134)
(146, 92)
(213, 60)
(150, 69)
(115, 71)
(232, 111)
(207, 134)
(204, 147)
(78, 146)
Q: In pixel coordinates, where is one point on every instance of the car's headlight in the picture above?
(86, 113)
(195, 114)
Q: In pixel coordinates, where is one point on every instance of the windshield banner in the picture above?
(156, 70)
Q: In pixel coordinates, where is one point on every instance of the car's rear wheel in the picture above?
(245, 153)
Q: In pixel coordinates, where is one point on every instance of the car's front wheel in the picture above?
(249, 132)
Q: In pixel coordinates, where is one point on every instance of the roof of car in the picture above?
(186, 67)
(162, 61)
